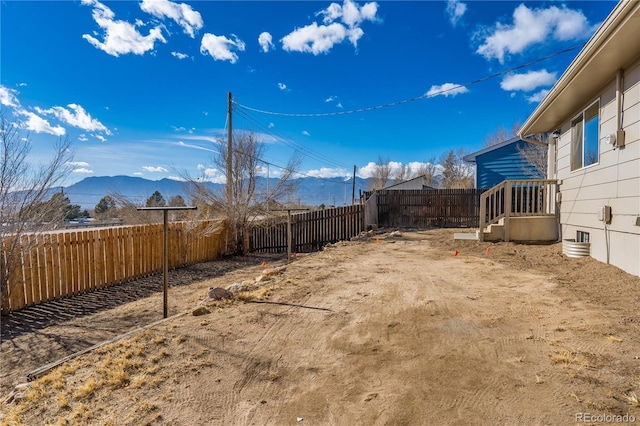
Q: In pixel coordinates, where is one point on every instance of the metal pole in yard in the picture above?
(165, 264)
(289, 239)
(165, 252)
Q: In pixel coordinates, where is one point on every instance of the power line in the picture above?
(285, 168)
(415, 98)
(289, 142)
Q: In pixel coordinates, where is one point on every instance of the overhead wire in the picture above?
(412, 99)
(279, 137)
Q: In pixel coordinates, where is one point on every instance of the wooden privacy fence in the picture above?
(424, 208)
(52, 265)
(310, 231)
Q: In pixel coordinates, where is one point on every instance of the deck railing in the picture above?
(517, 198)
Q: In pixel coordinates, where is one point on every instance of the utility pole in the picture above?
(230, 154)
(353, 186)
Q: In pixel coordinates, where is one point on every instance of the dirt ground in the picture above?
(408, 329)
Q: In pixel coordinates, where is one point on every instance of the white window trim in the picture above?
(581, 114)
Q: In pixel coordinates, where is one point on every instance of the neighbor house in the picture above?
(593, 113)
(415, 183)
(503, 161)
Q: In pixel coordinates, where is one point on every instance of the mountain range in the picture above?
(308, 190)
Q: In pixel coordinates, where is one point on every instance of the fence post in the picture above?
(507, 208)
(482, 218)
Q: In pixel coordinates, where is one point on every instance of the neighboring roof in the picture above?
(615, 45)
(471, 158)
(421, 178)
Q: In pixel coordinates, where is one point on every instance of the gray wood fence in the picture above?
(310, 231)
(425, 208)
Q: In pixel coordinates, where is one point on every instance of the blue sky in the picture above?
(141, 87)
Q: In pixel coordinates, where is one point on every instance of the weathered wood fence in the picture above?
(425, 208)
(53, 265)
(310, 231)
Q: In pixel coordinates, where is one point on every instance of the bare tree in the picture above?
(456, 173)
(536, 155)
(24, 188)
(381, 174)
(247, 204)
(501, 134)
(429, 171)
(405, 173)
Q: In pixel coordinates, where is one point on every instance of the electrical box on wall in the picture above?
(604, 214)
(619, 139)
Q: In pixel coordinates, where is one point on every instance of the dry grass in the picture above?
(71, 387)
(567, 358)
(632, 399)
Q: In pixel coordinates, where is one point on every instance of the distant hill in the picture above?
(311, 191)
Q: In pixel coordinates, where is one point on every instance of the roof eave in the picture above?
(589, 71)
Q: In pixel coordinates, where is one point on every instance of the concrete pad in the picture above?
(465, 236)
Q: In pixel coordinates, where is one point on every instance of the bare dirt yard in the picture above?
(400, 329)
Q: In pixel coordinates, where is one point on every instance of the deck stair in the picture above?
(518, 210)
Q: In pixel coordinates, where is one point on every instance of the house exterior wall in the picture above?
(613, 181)
(502, 164)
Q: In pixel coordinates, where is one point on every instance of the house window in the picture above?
(582, 237)
(584, 138)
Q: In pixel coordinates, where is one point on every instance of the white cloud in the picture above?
(22, 84)
(537, 97)
(330, 99)
(211, 174)
(314, 39)
(40, 125)
(266, 41)
(179, 55)
(138, 174)
(305, 133)
(220, 47)
(528, 81)
(456, 10)
(339, 105)
(317, 39)
(282, 86)
(120, 37)
(8, 97)
(155, 169)
(532, 26)
(349, 13)
(326, 172)
(76, 116)
(177, 178)
(82, 170)
(183, 14)
(370, 169)
(180, 143)
(78, 163)
(83, 138)
(271, 125)
(447, 89)
(99, 137)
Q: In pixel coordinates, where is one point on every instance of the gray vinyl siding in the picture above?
(614, 180)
